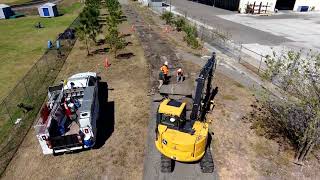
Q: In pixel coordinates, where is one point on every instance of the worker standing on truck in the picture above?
(161, 79)
(180, 76)
(165, 70)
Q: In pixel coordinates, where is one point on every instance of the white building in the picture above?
(48, 10)
(5, 11)
(313, 5)
(295, 5)
(153, 3)
(241, 5)
(144, 2)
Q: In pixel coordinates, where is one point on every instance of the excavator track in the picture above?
(206, 163)
(166, 164)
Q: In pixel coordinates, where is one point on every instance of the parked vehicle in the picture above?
(68, 120)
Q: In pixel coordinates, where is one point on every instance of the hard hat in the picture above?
(166, 63)
(179, 70)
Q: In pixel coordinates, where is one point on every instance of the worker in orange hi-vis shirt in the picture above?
(164, 68)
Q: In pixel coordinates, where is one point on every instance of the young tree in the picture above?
(298, 75)
(114, 9)
(93, 3)
(89, 26)
(115, 41)
(82, 33)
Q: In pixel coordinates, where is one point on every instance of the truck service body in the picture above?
(68, 120)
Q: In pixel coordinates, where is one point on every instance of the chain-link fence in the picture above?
(19, 109)
(221, 40)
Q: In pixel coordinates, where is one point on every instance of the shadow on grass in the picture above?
(125, 35)
(125, 55)
(101, 51)
(129, 43)
(105, 123)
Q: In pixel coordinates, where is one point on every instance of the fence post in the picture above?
(240, 51)
(260, 7)
(35, 65)
(46, 60)
(25, 87)
(5, 104)
(202, 31)
(260, 64)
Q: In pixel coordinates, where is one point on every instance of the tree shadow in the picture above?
(105, 123)
(100, 42)
(123, 18)
(101, 51)
(125, 35)
(125, 55)
(128, 43)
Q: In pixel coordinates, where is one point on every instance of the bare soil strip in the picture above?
(157, 50)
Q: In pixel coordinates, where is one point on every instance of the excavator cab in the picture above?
(179, 138)
(172, 114)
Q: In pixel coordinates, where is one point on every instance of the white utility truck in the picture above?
(68, 120)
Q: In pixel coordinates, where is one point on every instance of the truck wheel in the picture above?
(206, 163)
(166, 164)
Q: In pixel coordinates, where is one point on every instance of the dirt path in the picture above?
(157, 50)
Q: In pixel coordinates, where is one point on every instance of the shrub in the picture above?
(168, 17)
(192, 41)
(191, 36)
(190, 30)
(180, 23)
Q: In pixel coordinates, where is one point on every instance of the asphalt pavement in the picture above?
(239, 32)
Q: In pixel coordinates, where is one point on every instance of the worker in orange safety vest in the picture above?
(164, 68)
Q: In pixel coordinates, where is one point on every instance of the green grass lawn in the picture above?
(21, 44)
(12, 2)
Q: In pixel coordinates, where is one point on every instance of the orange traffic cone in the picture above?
(106, 63)
(132, 28)
(166, 29)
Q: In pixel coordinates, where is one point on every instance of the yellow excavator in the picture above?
(183, 139)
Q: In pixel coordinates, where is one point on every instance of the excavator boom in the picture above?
(206, 72)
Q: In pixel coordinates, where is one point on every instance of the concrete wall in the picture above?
(2, 16)
(310, 3)
(243, 4)
(143, 2)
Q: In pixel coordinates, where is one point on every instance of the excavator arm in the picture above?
(200, 102)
